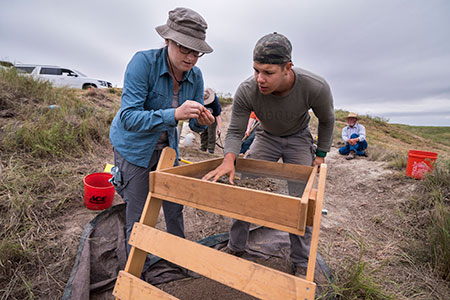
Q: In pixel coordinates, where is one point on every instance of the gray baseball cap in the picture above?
(187, 28)
(273, 48)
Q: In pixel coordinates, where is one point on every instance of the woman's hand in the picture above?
(206, 117)
(189, 110)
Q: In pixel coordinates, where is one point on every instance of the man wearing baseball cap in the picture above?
(281, 96)
(354, 136)
(161, 87)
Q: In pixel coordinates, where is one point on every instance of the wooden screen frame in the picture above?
(249, 277)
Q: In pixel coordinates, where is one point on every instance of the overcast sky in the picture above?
(388, 58)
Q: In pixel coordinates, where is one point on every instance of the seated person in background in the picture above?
(208, 137)
(250, 133)
(354, 136)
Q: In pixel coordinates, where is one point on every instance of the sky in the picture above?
(388, 58)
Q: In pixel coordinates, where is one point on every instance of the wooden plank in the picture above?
(316, 227)
(150, 213)
(311, 207)
(129, 287)
(197, 170)
(248, 277)
(167, 158)
(136, 257)
(261, 205)
(265, 223)
(274, 169)
(305, 199)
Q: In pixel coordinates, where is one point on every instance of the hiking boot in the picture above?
(232, 252)
(351, 155)
(366, 153)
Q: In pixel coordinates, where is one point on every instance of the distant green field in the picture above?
(433, 133)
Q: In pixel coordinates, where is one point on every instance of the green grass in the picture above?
(429, 213)
(436, 134)
(224, 99)
(44, 154)
(356, 280)
(6, 63)
(70, 129)
(437, 194)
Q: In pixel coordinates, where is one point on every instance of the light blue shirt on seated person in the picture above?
(359, 129)
(145, 110)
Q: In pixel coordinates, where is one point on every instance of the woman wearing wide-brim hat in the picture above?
(161, 87)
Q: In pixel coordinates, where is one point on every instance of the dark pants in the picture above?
(245, 145)
(294, 149)
(358, 147)
(208, 137)
(134, 192)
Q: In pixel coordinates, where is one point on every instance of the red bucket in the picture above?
(420, 163)
(98, 191)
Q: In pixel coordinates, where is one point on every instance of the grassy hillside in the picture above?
(438, 135)
(391, 142)
(46, 150)
(400, 138)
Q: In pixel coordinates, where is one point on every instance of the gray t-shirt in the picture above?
(283, 115)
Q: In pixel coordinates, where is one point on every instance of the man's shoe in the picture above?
(203, 149)
(351, 155)
(366, 153)
(232, 252)
(211, 151)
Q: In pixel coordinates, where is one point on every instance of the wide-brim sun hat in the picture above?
(352, 115)
(209, 96)
(187, 28)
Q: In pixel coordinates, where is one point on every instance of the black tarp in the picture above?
(102, 254)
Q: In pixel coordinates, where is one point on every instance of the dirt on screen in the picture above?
(257, 183)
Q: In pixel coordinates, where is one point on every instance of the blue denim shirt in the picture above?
(145, 110)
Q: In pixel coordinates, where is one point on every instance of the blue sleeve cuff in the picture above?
(168, 116)
(193, 124)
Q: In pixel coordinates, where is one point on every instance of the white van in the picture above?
(61, 77)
